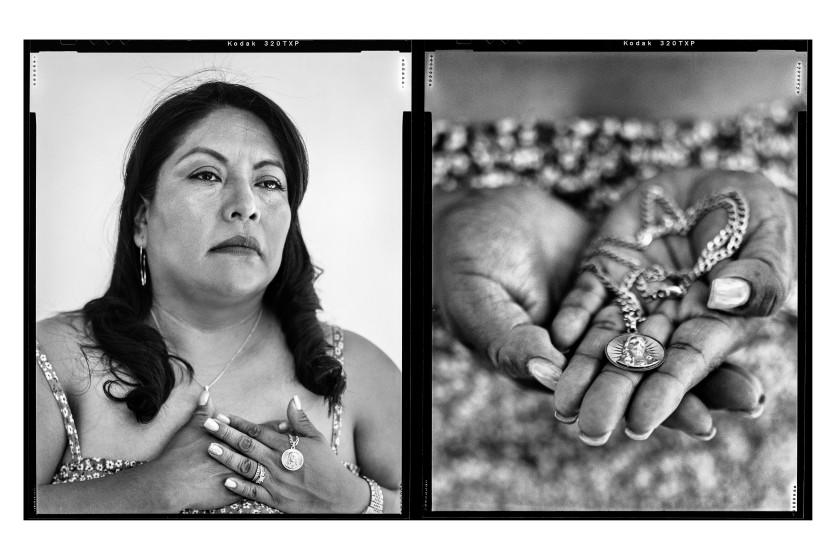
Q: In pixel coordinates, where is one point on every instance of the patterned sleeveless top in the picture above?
(80, 468)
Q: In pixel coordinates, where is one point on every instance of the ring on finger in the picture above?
(260, 474)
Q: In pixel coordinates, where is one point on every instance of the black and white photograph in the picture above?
(218, 297)
(615, 279)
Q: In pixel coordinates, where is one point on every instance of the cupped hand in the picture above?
(192, 479)
(720, 312)
(321, 485)
(502, 258)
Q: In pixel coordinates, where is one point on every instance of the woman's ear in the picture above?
(141, 224)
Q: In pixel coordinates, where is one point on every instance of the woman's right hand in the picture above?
(190, 478)
(502, 259)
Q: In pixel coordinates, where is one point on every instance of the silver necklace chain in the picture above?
(654, 282)
(235, 355)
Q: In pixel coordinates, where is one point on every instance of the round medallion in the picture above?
(635, 352)
(292, 459)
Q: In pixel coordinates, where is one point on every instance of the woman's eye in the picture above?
(270, 184)
(208, 176)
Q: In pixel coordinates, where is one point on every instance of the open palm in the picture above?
(740, 291)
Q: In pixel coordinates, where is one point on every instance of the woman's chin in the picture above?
(237, 288)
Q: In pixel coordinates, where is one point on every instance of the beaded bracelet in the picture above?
(376, 498)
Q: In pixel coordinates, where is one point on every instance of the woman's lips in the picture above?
(238, 245)
(236, 250)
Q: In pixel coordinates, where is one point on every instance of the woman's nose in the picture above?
(240, 201)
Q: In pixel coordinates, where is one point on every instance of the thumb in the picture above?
(527, 352)
(300, 424)
(205, 407)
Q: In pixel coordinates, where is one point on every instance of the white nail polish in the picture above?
(709, 436)
(544, 371)
(297, 403)
(222, 418)
(565, 419)
(756, 412)
(636, 435)
(229, 483)
(595, 441)
(728, 293)
(211, 425)
(215, 449)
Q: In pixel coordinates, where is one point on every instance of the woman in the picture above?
(186, 385)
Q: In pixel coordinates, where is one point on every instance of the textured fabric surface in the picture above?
(496, 446)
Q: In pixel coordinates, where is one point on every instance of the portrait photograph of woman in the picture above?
(218, 294)
(615, 280)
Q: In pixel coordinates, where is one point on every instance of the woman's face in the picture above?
(217, 225)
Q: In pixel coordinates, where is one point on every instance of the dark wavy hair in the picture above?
(134, 352)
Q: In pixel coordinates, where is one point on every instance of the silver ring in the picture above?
(260, 474)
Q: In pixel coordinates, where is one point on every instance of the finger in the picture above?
(585, 363)
(606, 401)
(234, 461)
(577, 309)
(691, 417)
(267, 432)
(248, 490)
(240, 441)
(484, 315)
(299, 422)
(527, 353)
(757, 282)
(697, 346)
(205, 408)
(732, 388)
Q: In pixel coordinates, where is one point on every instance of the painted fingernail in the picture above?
(636, 435)
(595, 441)
(211, 425)
(230, 483)
(544, 371)
(707, 437)
(282, 426)
(204, 398)
(297, 403)
(756, 412)
(565, 419)
(215, 449)
(728, 293)
(223, 418)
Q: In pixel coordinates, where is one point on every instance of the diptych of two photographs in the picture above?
(417, 279)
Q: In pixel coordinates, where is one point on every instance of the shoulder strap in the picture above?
(61, 398)
(337, 419)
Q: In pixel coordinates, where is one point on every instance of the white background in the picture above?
(348, 108)
(440, 19)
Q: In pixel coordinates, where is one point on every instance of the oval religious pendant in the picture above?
(292, 459)
(635, 352)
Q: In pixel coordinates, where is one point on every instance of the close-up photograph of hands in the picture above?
(617, 231)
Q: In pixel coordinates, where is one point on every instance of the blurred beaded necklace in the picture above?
(232, 359)
(638, 352)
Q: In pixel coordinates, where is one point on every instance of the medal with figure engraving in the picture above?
(635, 352)
(292, 458)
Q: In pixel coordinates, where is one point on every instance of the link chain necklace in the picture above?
(638, 352)
(235, 355)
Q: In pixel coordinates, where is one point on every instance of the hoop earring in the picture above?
(143, 266)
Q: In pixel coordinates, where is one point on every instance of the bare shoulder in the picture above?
(370, 373)
(62, 339)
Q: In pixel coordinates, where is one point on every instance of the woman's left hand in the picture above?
(699, 330)
(321, 485)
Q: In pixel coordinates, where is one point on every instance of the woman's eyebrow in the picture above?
(201, 150)
(220, 157)
(266, 162)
